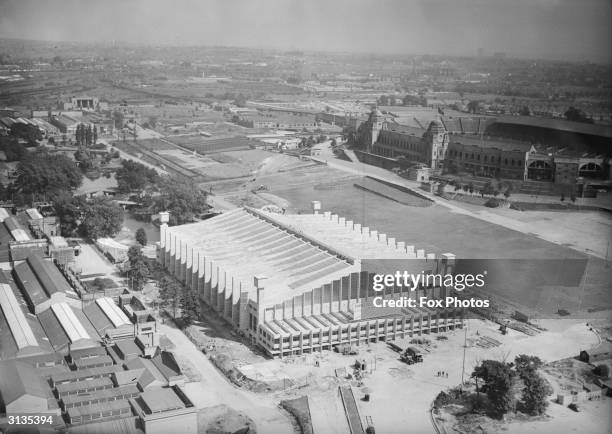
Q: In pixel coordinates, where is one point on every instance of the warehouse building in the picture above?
(23, 390)
(67, 328)
(108, 319)
(42, 284)
(316, 293)
(20, 332)
(162, 410)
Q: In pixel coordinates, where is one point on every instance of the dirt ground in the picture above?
(222, 419)
(402, 394)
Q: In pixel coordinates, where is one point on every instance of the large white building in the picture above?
(299, 283)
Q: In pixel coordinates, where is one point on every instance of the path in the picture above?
(215, 389)
(328, 414)
(124, 155)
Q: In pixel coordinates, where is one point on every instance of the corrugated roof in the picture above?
(88, 352)
(85, 384)
(18, 379)
(69, 322)
(4, 214)
(96, 317)
(53, 329)
(20, 329)
(48, 274)
(34, 214)
(113, 312)
(103, 407)
(33, 290)
(83, 374)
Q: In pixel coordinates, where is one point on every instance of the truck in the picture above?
(346, 350)
(411, 355)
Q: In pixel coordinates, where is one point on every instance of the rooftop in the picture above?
(559, 124)
(159, 399)
(296, 252)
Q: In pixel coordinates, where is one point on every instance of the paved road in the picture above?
(215, 389)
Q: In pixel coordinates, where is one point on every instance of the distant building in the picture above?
(463, 145)
(81, 103)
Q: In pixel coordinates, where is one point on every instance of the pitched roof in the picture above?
(18, 379)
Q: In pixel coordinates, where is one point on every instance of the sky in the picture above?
(553, 29)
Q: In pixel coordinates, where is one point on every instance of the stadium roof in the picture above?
(558, 124)
(491, 143)
(296, 252)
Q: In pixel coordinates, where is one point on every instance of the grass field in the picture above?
(437, 230)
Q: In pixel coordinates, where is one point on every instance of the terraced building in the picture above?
(298, 283)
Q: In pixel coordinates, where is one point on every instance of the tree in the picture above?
(182, 198)
(138, 274)
(101, 218)
(118, 119)
(70, 210)
(473, 106)
(28, 132)
(41, 172)
(88, 135)
(12, 149)
(334, 143)
(134, 176)
(134, 253)
(524, 364)
(85, 159)
(189, 306)
(471, 187)
(497, 377)
(602, 370)
(576, 115)
(524, 111)
(169, 294)
(141, 237)
(535, 393)
(240, 100)
(383, 100)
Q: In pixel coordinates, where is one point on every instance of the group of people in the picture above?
(442, 374)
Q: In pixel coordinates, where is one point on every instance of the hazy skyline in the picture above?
(553, 29)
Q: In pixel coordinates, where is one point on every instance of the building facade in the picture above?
(286, 281)
(446, 148)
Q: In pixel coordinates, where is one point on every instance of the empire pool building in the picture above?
(298, 283)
